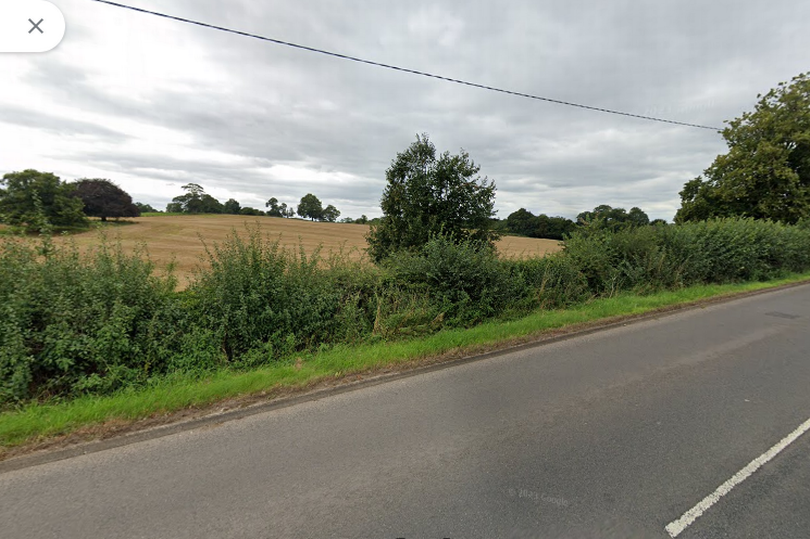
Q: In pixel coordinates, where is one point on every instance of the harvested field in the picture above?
(178, 237)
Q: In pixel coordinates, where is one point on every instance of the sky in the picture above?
(153, 104)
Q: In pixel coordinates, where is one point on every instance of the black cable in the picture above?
(402, 69)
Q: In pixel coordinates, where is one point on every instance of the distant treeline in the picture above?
(525, 223)
(30, 200)
(196, 200)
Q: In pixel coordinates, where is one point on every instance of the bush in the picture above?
(260, 298)
(72, 324)
(466, 279)
(715, 251)
(550, 282)
(735, 249)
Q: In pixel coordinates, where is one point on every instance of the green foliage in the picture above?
(330, 214)
(428, 195)
(145, 208)
(31, 199)
(195, 200)
(766, 172)
(550, 282)
(525, 223)
(278, 210)
(466, 278)
(734, 249)
(259, 298)
(102, 198)
(231, 207)
(310, 207)
(521, 222)
(362, 220)
(75, 323)
(606, 217)
(715, 251)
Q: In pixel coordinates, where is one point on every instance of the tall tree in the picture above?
(231, 206)
(278, 210)
(431, 194)
(310, 207)
(196, 200)
(102, 198)
(559, 228)
(766, 172)
(521, 222)
(31, 199)
(637, 217)
(330, 214)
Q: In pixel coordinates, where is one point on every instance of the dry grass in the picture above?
(178, 237)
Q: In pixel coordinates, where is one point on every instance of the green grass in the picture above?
(38, 421)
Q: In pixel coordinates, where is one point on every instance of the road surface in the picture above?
(619, 433)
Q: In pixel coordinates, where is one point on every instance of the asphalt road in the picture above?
(613, 434)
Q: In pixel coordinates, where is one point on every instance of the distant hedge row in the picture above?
(73, 324)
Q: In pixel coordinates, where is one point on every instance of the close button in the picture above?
(35, 26)
(30, 26)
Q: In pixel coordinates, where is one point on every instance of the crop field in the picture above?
(179, 237)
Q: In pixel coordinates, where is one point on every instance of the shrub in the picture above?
(715, 251)
(737, 249)
(255, 295)
(74, 324)
(550, 282)
(467, 279)
(595, 256)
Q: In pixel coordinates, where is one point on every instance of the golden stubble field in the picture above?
(178, 238)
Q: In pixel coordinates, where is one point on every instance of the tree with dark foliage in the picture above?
(102, 198)
(195, 200)
(429, 194)
(525, 223)
(146, 208)
(608, 217)
(330, 214)
(231, 206)
(310, 207)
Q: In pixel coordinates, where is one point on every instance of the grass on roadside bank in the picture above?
(37, 422)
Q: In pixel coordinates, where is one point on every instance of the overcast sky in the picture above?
(153, 104)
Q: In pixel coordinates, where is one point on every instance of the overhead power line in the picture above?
(398, 68)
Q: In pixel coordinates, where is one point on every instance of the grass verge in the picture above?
(35, 423)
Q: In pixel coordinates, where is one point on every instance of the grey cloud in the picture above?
(40, 119)
(688, 60)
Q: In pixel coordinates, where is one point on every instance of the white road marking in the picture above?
(677, 526)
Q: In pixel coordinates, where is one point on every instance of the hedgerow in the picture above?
(76, 323)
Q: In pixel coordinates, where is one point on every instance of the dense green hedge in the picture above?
(716, 251)
(74, 324)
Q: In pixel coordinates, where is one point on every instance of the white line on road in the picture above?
(677, 526)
